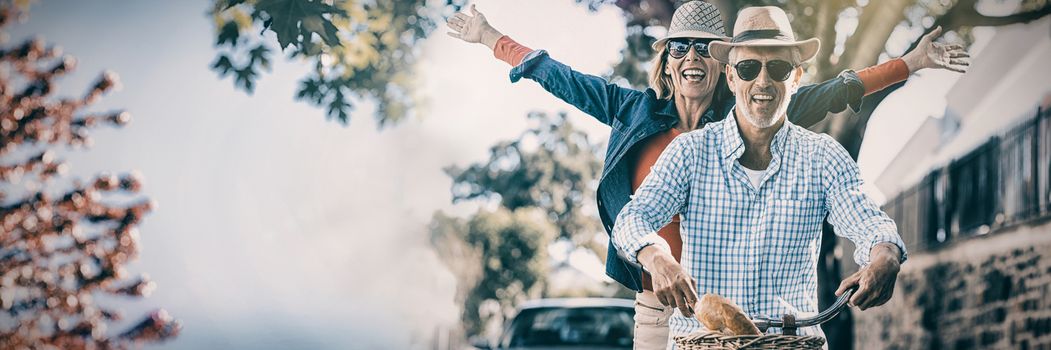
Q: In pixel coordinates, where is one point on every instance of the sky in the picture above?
(277, 228)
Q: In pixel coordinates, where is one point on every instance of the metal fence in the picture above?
(1003, 182)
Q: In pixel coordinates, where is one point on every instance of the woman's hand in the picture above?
(473, 28)
(929, 54)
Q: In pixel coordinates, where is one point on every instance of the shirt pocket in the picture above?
(793, 240)
(793, 224)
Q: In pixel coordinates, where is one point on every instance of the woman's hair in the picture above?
(660, 82)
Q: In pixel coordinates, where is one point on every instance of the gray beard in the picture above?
(763, 123)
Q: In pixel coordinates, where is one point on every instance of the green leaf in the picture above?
(288, 16)
(246, 78)
(222, 65)
(310, 89)
(339, 108)
(228, 34)
(260, 55)
(323, 27)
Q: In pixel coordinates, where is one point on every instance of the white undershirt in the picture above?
(754, 176)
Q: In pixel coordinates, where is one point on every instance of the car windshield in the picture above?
(590, 326)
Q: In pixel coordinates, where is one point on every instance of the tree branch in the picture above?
(827, 12)
(974, 19)
(877, 22)
(659, 10)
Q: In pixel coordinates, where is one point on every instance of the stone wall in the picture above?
(986, 292)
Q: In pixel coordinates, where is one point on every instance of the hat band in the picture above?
(757, 34)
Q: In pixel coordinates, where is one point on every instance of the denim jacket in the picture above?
(635, 115)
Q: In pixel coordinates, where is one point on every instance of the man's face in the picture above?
(763, 100)
(693, 76)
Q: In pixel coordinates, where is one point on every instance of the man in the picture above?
(752, 191)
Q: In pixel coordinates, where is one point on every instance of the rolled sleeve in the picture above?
(854, 215)
(529, 62)
(631, 251)
(887, 236)
(854, 92)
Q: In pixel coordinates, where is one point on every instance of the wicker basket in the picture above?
(717, 341)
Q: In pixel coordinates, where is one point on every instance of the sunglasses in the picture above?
(679, 48)
(778, 70)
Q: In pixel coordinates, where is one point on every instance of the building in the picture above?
(971, 195)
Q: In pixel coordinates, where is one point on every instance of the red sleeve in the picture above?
(885, 74)
(510, 51)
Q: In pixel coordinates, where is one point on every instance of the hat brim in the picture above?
(693, 34)
(720, 50)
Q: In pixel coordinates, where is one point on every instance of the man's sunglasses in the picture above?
(778, 70)
(679, 48)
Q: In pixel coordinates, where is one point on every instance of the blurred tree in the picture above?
(553, 167)
(360, 50)
(497, 255)
(61, 248)
(854, 34)
(544, 182)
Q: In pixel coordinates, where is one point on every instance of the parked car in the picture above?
(571, 323)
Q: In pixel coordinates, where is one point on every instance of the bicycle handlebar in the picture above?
(789, 324)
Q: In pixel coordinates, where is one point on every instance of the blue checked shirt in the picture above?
(756, 246)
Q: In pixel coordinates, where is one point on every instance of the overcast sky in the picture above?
(277, 228)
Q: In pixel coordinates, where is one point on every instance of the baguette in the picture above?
(722, 315)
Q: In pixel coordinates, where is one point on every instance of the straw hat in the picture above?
(766, 26)
(695, 19)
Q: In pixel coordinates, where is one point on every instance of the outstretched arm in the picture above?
(591, 94)
(927, 54)
(812, 103)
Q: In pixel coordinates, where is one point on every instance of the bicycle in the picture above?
(788, 339)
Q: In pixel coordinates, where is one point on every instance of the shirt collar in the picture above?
(733, 143)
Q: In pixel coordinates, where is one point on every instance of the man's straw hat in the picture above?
(766, 26)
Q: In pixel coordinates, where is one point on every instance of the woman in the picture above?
(686, 92)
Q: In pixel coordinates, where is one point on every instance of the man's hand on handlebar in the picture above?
(876, 280)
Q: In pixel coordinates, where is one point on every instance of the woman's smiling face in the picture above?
(693, 76)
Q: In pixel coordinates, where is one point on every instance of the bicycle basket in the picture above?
(705, 340)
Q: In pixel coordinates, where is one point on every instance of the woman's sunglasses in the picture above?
(678, 48)
(778, 70)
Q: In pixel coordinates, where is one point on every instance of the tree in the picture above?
(503, 261)
(553, 167)
(360, 50)
(544, 182)
(62, 245)
(854, 35)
